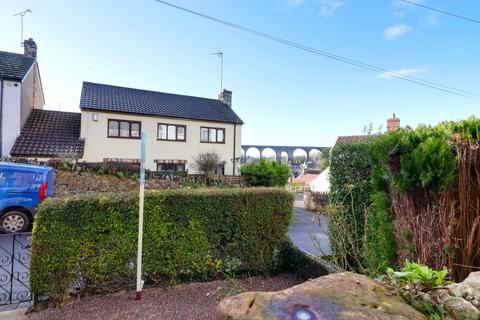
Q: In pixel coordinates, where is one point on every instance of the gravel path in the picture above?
(186, 301)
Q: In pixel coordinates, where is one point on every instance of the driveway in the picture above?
(305, 228)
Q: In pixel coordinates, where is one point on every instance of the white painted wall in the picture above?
(98, 146)
(27, 97)
(32, 95)
(322, 182)
(11, 115)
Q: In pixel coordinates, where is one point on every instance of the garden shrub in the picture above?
(416, 192)
(88, 243)
(350, 190)
(415, 169)
(266, 174)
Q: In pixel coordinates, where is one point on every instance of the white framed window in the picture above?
(171, 132)
(124, 129)
(212, 135)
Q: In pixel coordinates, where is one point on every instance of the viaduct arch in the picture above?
(289, 150)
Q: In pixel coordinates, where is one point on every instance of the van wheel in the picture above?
(14, 221)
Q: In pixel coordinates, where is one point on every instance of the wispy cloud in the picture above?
(400, 14)
(404, 72)
(431, 19)
(396, 31)
(293, 3)
(328, 7)
(325, 8)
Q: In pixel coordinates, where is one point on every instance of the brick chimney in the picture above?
(393, 123)
(30, 48)
(226, 97)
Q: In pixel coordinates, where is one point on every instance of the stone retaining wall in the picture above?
(70, 183)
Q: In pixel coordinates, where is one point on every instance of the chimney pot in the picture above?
(226, 97)
(30, 48)
(393, 123)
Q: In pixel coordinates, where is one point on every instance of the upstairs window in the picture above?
(212, 135)
(171, 132)
(124, 129)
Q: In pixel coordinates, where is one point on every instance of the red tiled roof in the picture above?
(49, 134)
(351, 139)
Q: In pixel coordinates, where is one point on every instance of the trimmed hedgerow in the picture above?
(88, 243)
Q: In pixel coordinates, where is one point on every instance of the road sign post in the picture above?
(138, 294)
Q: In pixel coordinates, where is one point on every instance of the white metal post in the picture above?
(138, 294)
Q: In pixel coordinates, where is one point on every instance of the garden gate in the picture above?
(14, 270)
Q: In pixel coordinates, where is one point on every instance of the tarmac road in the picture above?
(305, 228)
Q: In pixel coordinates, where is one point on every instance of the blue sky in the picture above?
(284, 95)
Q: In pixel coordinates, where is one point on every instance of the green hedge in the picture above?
(266, 174)
(89, 243)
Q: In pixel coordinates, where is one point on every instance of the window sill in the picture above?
(212, 142)
(129, 138)
(166, 140)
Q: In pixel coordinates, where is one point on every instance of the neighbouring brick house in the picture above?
(112, 118)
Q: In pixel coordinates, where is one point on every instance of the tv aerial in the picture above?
(22, 14)
(220, 55)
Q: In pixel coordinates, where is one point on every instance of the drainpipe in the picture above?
(1, 116)
(234, 145)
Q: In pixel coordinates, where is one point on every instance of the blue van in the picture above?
(22, 188)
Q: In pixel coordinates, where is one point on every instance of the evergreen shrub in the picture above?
(266, 174)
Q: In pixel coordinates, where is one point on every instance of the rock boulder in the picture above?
(336, 296)
(462, 300)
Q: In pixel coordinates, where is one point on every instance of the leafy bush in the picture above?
(88, 243)
(266, 174)
(412, 283)
(412, 171)
(418, 275)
